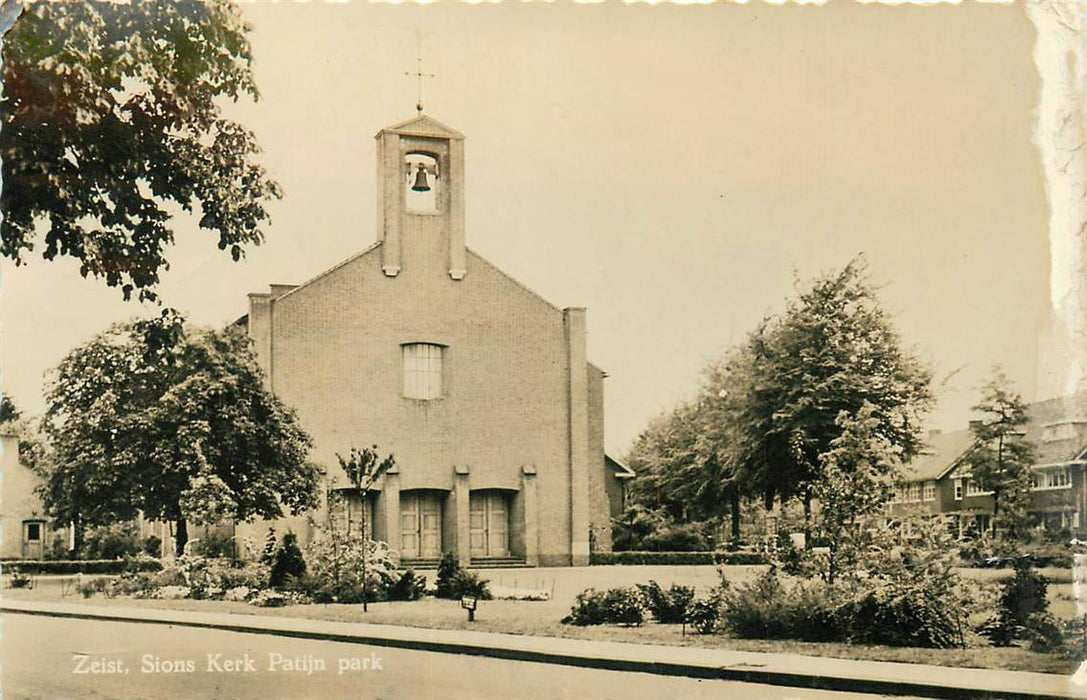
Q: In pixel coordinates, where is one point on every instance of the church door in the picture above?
(488, 524)
(420, 525)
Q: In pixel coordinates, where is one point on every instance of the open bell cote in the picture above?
(420, 198)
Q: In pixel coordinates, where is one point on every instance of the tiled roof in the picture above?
(1053, 444)
(1063, 443)
(942, 451)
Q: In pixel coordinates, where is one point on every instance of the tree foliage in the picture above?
(833, 351)
(857, 474)
(9, 412)
(110, 113)
(172, 422)
(771, 415)
(1002, 456)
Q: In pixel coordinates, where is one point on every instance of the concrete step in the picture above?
(497, 563)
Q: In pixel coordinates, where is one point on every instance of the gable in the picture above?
(423, 125)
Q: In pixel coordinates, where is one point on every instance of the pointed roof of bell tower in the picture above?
(423, 125)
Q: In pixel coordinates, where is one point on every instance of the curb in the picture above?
(745, 673)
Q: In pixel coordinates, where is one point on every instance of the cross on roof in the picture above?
(419, 74)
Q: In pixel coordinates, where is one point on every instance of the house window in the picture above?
(958, 489)
(972, 489)
(1053, 479)
(929, 491)
(33, 532)
(422, 370)
(914, 493)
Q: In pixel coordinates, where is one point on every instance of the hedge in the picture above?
(676, 558)
(79, 566)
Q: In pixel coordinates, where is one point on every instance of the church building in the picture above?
(479, 387)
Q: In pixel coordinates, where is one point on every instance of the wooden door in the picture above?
(488, 524)
(409, 527)
(497, 526)
(430, 546)
(421, 525)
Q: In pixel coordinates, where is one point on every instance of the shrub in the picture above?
(1022, 611)
(110, 541)
(448, 568)
(82, 566)
(757, 609)
(213, 544)
(288, 562)
(409, 586)
(631, 528)
(468, 583)
(677, 558)
(667, 606)
(152, 546)
(689, 537)
(704, 614)
(622, 606)
(903, 613)
(766, 608)
(270, 599)
(336, 569)
(20, 579)
(271, 544)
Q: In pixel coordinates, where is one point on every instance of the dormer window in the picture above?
(421, 179)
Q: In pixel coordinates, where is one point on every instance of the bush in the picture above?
(758, 609)
(20, 579)
(336, 569)
(704, 614)
(111, 542)
(667, 606)
(767, 608)
(677, 558)
(288, 563)
(1022, 611)
(83, 566)
(468, 583)
(631, 528)
(689, 537)
(409, 586)
(622, 606)
(152, 546)
(903, 613)
(214, 544)
(448, 568)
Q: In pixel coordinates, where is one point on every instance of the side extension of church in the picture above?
(480, 388)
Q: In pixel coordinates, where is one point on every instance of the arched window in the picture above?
(421, 178)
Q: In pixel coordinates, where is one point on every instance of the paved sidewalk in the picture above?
(754, 667)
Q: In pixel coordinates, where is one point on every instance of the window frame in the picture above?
(422, 374)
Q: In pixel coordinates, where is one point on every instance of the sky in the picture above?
(673, 169)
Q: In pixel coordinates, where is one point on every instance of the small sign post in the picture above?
(469, 603)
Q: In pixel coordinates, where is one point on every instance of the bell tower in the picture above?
(420, 198)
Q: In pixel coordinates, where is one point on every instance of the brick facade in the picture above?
(520, 412)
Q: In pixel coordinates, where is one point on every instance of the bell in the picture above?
(420, 181)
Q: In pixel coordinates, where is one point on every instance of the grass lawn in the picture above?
(542, 618)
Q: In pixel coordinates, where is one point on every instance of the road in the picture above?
(46, 657)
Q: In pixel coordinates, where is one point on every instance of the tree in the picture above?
(833, 350)
(111, 115)
(670, 467)
(1001, 458)
(363, 469)
(9, 413)
(855, 483)
(172, 422)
